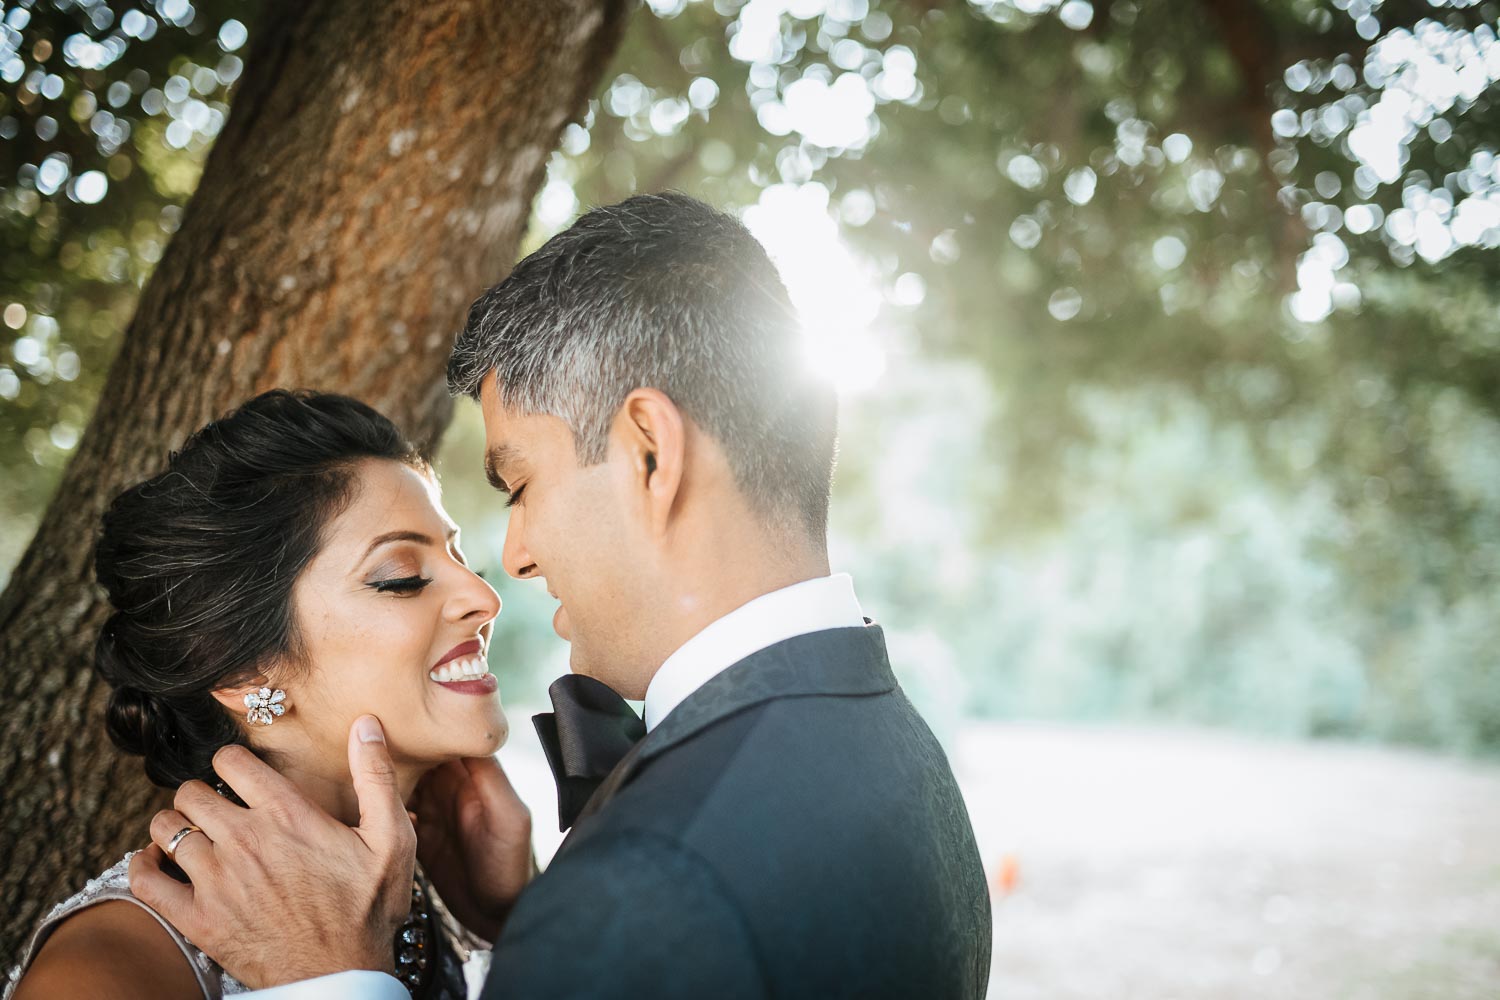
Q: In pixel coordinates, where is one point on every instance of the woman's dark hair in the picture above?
(199, 562)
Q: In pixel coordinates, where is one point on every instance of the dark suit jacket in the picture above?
(792, 829)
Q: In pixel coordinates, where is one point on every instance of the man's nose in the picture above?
(515, 557)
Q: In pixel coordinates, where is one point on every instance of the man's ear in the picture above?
(650, 428)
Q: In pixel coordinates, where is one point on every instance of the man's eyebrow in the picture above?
(404, 536)
(501, 454)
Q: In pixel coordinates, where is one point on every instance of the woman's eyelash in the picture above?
(401, 585)
(515, 496)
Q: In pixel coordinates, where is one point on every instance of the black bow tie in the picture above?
(587, 734)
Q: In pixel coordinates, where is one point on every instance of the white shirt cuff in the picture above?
(356, 984)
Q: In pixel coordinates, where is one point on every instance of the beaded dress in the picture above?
(442, 962)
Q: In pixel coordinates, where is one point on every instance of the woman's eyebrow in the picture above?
(402, 536)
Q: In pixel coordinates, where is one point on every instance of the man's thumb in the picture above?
(374, 775)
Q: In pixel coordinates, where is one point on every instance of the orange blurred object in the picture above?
(1006, 873)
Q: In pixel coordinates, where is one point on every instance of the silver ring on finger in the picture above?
(177, 837)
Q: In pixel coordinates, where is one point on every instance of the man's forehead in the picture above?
(505, 435)
(496, 407)
(500, 422)
(513, 436)
(489, 391)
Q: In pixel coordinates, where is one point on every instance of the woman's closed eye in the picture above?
(514, 497)
(401, 585)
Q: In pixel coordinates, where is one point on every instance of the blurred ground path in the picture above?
(1199, 865)
(1158, 863)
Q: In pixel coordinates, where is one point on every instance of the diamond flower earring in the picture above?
(264, 706)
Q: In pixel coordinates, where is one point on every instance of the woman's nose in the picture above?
(477, 600)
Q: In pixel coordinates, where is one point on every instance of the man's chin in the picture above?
(578, 663)
(561, 625)
(610, 670)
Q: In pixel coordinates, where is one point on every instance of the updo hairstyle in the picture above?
(199, 561)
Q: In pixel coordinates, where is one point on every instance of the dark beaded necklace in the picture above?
(412, 941)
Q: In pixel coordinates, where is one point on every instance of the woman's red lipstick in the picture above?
(469, 648)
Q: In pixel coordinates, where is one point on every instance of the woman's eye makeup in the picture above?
(401, 584)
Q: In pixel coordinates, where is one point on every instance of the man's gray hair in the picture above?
(665, 292)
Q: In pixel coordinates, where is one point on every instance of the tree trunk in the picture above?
(375, 175)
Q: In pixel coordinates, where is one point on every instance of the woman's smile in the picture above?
(465, 669)
(476, 684)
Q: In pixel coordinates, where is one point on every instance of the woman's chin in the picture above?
(498, 738)
(481, 730)
(496, 732)
(475, 742)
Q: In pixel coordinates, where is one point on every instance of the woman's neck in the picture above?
(334, 794)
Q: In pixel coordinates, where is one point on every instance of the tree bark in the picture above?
(376, 173)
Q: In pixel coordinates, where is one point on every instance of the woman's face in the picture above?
(387, 600)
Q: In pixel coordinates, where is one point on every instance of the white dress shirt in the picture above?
(810, 606)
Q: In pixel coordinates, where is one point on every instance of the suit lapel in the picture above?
(835, 662)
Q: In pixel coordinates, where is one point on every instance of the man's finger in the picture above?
(160, 891)
(193, 853)
(430, 840)
(438, 790)
(490, 776)
(252, 779)
(205, 807)
(490, 789)
(382, 815)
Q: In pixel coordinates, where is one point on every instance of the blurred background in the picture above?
(1168, 342)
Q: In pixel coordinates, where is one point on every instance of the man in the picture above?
(787, 825)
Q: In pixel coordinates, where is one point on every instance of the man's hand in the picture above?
(282, 891)
(474, 841)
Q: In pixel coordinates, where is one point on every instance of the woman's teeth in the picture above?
(467, 669)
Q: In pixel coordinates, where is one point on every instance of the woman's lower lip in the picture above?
(480, 685)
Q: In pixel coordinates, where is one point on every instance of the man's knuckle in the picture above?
(245, 840)
(159, 825)
(237, 838)
(229, 753)
(380, 768)
(188, 793)
(133, 872)
(282, 812)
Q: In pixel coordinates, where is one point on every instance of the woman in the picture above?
(291, 570)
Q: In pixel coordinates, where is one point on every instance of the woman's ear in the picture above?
(234, 698)
(651, 431)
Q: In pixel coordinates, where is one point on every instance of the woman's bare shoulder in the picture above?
(113, 949)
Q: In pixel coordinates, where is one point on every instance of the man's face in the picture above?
(568, 526)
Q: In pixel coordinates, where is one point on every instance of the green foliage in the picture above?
(1147, 224)
(1187, 312)
(105, 117)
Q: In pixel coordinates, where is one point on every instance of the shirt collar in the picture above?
(810, 606)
